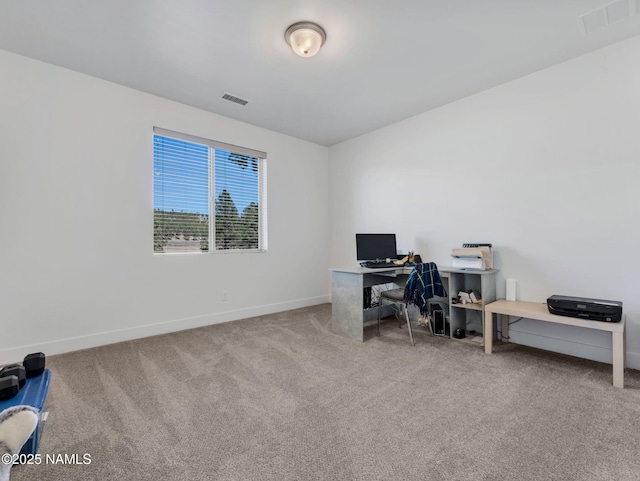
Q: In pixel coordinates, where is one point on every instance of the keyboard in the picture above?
(379, 265)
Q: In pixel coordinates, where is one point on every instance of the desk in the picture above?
(539, 311)
(348, 316)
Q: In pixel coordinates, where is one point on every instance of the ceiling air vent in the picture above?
(233, 98)
(605, 15)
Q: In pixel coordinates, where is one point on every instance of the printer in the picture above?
(473, 256)
(584, 308)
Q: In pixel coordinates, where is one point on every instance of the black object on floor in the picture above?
(34, 364)
(9, 387)
(15, 370)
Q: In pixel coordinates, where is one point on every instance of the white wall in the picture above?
(544, 167)
(77, 267)
(547, 168)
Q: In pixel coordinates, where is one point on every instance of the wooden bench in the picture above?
(540, 312)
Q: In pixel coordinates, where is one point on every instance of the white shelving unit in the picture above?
(470, 317)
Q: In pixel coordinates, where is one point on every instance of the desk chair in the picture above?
(395, 297)
(423, 283)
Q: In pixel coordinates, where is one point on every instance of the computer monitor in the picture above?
(370, 247)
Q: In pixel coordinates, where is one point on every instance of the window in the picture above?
(207, 196)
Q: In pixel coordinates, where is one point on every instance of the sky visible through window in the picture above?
(181, 177)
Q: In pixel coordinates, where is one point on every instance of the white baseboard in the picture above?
(59, 346)
(633, 360)
(563, 346)
(585, 351)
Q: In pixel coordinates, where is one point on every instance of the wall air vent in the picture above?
(233, 98)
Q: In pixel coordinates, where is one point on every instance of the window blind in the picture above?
(208, 195)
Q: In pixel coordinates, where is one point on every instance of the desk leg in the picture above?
(624, 351)
(505, 327)
(618, 359)
(346, 308)
(488, 333)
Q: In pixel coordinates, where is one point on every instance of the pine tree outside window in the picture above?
(208, 196)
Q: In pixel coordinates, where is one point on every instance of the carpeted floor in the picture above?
(282, 398)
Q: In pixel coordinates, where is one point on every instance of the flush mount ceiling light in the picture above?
(305, 38)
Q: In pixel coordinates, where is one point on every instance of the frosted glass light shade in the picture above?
(305, 38)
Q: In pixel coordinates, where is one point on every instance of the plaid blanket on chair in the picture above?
(424, 283)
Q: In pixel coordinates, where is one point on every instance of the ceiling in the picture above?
(383, 61)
